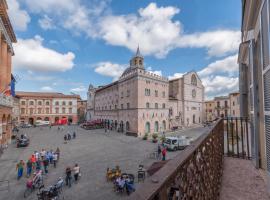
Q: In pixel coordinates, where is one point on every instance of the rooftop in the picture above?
(46, 94)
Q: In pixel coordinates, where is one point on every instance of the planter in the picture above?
(155, 140)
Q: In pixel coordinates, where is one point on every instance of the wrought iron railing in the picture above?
(193, 174)
(237, 137)
(6, 100)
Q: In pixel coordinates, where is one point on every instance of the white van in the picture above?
(42, 123)
(177, 143)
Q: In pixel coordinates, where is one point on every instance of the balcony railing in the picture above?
(6, 100)
(193, 174)
(237, 137)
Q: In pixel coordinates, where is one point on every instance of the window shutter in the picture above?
(266, 82)
(265, 36)
(267, 134)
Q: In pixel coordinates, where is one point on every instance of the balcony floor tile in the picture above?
(242, 181)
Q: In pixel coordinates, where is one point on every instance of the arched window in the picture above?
(156, 126)
(163, 105)
(147, 127)
(147, 105)
(164, 125)
(193, 80)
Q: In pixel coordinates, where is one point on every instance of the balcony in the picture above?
(6, 100)
(216, 166)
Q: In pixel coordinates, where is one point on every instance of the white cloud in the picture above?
(46, 23)
(46, 88)
(78, 89)
(157, 33)
(32, 55)
(227, 65)
(220, 85)
(153, 29)
(176, 75)
(19, 18)
(217, 43)
(113, 70)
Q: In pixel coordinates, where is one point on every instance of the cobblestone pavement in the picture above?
(241, 181)
(93, 150)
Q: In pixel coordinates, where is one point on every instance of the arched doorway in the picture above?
(47, 119)
(31, 120)
(194, 119)
(70, 120)
(39, 118)
(127, 126)
(156, 127)
(147, 127)
(164, 125)
(56, 119)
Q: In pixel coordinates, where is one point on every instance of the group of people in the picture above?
(38, 161)
(125, 182)
(76, 173)
(162, 151)
(68, 136)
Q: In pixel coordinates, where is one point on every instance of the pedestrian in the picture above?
(58, 153)
(38, 164)
(164, 152)
(54, 159)
(29, 167)
(42, 154)
(19, 168)
(58, 128)
(65, 137)
(74, 135)
(68, 176)
(159, 152)
(76, 170)
(69, 136)
(50, 156)
(33, 161)
(45, 164)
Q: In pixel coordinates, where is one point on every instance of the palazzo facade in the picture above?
(140, 101)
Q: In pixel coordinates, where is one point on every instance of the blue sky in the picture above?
(65, 45)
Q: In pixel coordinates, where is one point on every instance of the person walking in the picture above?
(54, 159)
(38, 164)
(74, 135)
(159, 152)
(164, 152)
(76, 170)
(68, 176)
(19, 168)
(46, 164)
(58, 153)
(29, 167)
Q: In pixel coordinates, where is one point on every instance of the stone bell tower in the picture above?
(137, 60)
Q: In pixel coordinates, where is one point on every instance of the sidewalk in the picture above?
(242, 181)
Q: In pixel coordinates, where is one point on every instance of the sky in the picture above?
(65, 45)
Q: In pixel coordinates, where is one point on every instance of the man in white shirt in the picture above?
(76, 170)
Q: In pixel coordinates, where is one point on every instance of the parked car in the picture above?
(177, 143)
(26, 125)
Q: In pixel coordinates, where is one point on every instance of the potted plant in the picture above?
(145, 136)
(154, 138)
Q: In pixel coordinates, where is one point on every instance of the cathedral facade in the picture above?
(142, 102)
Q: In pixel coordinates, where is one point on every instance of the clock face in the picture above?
(193, 93)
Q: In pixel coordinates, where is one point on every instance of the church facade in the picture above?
(142, 102)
